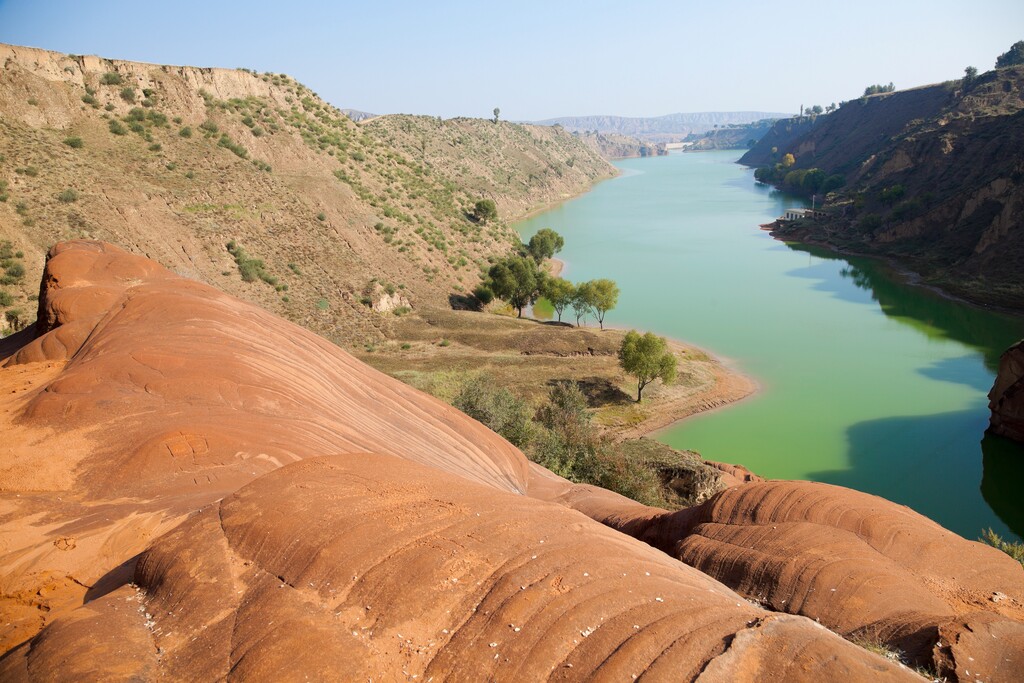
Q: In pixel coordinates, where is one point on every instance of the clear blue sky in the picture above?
(544, 59)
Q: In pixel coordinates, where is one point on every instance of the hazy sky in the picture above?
(544, 59)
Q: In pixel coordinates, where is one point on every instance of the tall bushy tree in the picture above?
(485, 210)
(517, 280)
(1013, 56)
(580, 301)
(560, 293)
(647, 358)
(545, 244)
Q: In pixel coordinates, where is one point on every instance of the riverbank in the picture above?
(544, 207)
(667, 405)
(897, 270)
(436, 350)
(555, 267)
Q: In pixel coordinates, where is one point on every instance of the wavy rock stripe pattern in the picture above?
(861, 565)
(249, 391)
(367, 567)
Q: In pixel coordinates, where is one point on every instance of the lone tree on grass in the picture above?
(517, 280)
(647, 358)
(485, 210)
(545, 244)
(497, 113)
(603, 295)
(560, 293)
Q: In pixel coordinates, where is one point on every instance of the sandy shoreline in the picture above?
(666, 405)
(555, 267)
(541, 208)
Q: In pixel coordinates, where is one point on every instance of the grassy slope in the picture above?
(343, 204)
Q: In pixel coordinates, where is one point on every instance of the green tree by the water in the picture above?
(545, 244)
(517, 280)
(602, 294)
(560, 292)
(647, 358)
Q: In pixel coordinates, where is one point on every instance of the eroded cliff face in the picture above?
(933, 179)
(194, 488)
(1006, 399)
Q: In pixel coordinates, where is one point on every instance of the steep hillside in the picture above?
(732, 136)
(521, 168)
(616, 146)
(933, 178)
(178, 162)
(667, 128)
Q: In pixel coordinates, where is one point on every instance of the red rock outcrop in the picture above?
(145, 395)
(163, 433)
(866, 568)
(368, 567)
(1006, 399)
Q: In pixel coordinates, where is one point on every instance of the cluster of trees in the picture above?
(521, 280)
(818, 109)
(594, 297)
(877, 88)
(809, 181)
(1012, 57)
(559, 434)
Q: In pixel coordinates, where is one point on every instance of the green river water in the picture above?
(866, 382)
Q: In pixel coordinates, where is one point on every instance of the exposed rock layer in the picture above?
(1006, 399)
(933, 180)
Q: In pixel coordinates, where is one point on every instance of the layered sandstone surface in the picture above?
(194, 489)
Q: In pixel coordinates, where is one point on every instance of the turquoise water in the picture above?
(865, 381)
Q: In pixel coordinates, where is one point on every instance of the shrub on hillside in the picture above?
(1014, 549)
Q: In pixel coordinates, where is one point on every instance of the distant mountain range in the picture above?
(357, 116)
(667, 128)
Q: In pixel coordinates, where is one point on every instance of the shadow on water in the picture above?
(962, 370)
(1001, 481)
(929, 312)
(949, 475)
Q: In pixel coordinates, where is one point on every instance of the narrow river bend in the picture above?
(866, 382)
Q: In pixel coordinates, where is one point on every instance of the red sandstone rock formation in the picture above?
(1006, 400)
(161, 432)
(368, 567)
